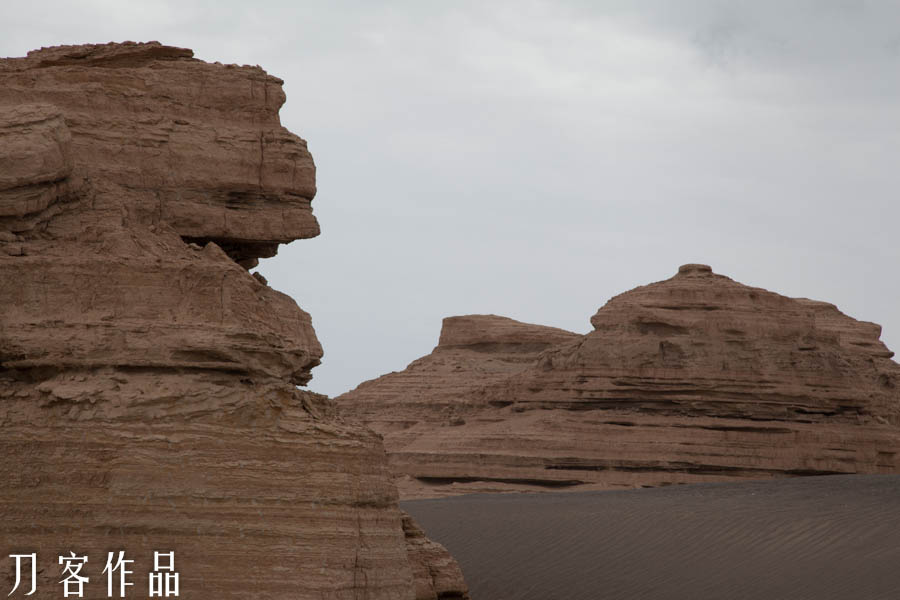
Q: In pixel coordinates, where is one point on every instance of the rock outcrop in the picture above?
(147, 379)
(435, 573)
(442, 388)
(696, 378)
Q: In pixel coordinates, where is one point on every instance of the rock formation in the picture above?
(696, 378)
(147, 379)
(435, 573)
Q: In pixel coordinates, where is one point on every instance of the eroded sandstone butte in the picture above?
(696, 378)
(147, 379)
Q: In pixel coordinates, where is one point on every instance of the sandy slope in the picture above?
(818, 537)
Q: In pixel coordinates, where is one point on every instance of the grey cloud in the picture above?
(534, 159)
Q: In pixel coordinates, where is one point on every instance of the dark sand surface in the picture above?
(818, 537)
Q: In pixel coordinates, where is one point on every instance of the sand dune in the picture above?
(818, 538)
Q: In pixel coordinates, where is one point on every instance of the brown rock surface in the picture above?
(435, 572)
(696, 378)
(441, 388)
(147, 397)
(199, 146)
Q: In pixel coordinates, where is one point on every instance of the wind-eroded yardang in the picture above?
(696, 378)
(147, 379)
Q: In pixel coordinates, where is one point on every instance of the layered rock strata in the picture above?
(696, 378)
(147, 379)
(436, 574)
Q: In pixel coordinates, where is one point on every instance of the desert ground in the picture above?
(822, 538)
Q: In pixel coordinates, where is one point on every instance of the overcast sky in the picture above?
(533, 159)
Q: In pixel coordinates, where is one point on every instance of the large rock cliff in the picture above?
(696, 378)
(147, 379)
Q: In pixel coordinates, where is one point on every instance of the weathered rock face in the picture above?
(435, 572)
(199, 147)
(116, 155)
(696, 378)
(147, 379)
(440, 389)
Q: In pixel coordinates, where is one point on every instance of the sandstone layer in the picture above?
(436, 574)
(696, 378)
(147, 379)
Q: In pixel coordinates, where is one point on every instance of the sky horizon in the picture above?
(533, 159)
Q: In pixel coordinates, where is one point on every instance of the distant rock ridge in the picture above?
(148, 396)
(490, 333)
(695, 378)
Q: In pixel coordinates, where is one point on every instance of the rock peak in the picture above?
(242, 180)
(113, 54)
(695, 269)
(139, 152)
(492, 331)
